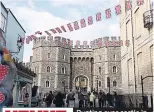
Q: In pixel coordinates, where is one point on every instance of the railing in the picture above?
(148, 19)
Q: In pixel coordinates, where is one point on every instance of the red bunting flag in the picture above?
(78, 43)
(27, 40)
(128, 5)
(47, 33)
(63, 28)
(140, 2)
(54, 31)
(90, 20)
(70, 27)
(85, 43)
(64, 41)
(30, 38)
(108, 13)
(71, 42)
(127, 43)
(38, 32)
(99, 43)
(92, 43)
(98, 16)
(76, 25)
(33, 37)
(106, 44)
(118, 9)
(121, 43)
(83, 23)
(59, 30)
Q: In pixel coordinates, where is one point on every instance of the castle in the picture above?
(63, 67)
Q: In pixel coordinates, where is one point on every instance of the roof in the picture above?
(3, 6)
(15, 19)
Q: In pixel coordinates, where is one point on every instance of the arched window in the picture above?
(100, 84)
(114, 57)
(99, 70)
(63, 70)
(48, 69)
(64, 57)
(47, 84)
(114, 69)
(114, 83)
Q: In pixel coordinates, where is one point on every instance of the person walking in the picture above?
(49, 99)
(100, 95)
(26, 100)
(81, 100)
(70, 97)
(109, 99)
(92, 99)
(59, 100)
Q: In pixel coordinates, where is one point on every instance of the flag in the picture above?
(78, 43)
(38, 32)
(90, 20)
(63, 28)
(30, 38)
(121, 43)
(85, 43)
(83, 23)
(27, 40)
(106, 44)
(118, 9)
(128, 5)
(76, 25)
(99, 43)
(47, 33)
(70, 27)
(33, 37)
(98, 16)
(71, 42)
(108, 13)
(140, 2)
(127, 43)
(91, 43)
(59, 30)
(53, 31)
(64, 41)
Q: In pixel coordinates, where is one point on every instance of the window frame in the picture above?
(115, 69)
(48, 70)
(48, 84)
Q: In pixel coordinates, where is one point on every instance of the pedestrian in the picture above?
(109, 99)
(70, 97)
(58, 101)
(100, 95)
(92, 99)
(81, 100)
(49, 99)
(26, 100)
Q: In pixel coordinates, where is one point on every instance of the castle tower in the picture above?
(51, 63)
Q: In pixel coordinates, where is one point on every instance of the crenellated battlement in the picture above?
(67, 43)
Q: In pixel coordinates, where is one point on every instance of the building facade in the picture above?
(136, 26)
(11, 31)
(66, 67)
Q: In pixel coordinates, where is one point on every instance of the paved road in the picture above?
(76, 102)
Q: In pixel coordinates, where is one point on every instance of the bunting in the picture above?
(82, 23)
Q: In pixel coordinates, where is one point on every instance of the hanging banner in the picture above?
(82, 22)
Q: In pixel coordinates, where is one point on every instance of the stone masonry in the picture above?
(58, 66)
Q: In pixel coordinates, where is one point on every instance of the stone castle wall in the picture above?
(77, 60)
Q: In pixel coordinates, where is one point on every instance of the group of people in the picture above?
(86, 99)
(104, 100)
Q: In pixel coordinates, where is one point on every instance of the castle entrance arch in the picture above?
(81, 83)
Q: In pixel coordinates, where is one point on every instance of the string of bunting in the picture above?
(75, 25)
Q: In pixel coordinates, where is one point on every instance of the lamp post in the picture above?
(19, 45)
(63, 82)
(97, 82)
(143, 88)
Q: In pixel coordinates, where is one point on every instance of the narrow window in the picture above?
(48, 69)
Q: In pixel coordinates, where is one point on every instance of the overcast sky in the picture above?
(43, 15)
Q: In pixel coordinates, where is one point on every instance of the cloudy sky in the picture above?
(43, 15)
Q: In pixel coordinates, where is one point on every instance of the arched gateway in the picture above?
(81, 82)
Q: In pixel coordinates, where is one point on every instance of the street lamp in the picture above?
(142, 88)
(97, 82)
(63, 82)
(19, 45)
